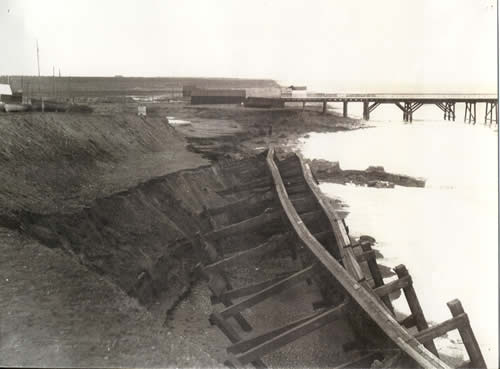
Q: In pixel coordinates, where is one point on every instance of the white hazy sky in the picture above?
(384, 45)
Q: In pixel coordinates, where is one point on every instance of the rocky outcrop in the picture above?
(373, 176)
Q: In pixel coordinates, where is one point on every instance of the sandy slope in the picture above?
(55, 312)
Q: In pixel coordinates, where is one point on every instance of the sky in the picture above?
(344, 45)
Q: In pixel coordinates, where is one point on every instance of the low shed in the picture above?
(5, 92)
(217, 96)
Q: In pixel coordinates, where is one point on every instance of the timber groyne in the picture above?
(286, 201)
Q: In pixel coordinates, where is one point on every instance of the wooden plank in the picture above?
(468, 337)
(299, 188)
(200, 243)
(441, 329)
(364, 361)
(248, 225)
(292, 334)
(393, 286)
(322, 237)
(312, 216)
(305, 204)
(414, 305)
(269, 291)
(366, 256)
(252, 201)
(365, 299)
(249, 186)
(249, 343)
(375, 273)
(250, 289)
(245, 256)
(231, 334)
(408, 322)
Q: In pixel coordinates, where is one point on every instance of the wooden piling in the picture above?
(468, 338)
(414, 305)
(324, 107)
(376, 275)
(366, 111)
(345, 109)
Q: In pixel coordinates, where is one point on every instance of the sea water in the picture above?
(446, 233)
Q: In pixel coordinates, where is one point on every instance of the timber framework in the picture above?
(407, 103)
(345, 270)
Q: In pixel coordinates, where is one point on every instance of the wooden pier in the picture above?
(308, 229)
(407, 103)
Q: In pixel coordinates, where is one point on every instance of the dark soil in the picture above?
(102, 208)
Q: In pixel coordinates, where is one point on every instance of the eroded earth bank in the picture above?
(98, 212)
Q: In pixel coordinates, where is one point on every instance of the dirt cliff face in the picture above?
(141, 238)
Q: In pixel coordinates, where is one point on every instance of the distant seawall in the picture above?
(119, 86)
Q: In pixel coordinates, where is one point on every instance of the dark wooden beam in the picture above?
(252, 201)
(291, 335)
(376, 274)
(408, 322)
(393, 286)
(269, 291)
(364, 361)
(414, 305)
(249, 343)
(269, 215)
(248, 290)
(467, 335)
(441, 329)
(245, 256)
(231, 334)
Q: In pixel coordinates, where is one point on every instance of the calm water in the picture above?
(445, 233)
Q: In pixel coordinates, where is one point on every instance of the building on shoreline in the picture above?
(217, 96)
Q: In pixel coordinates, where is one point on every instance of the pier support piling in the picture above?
(491, 113)
(470, 112)
(345, 109)
(324, 107)
(366, 110)
(449, 111)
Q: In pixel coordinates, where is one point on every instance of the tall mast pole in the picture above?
(54, 80)
(38, 63)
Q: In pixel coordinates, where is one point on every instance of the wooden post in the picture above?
(366, 111)
(345, 109)
(453, 111)
(303, 105)
(468, 338)
(486, 113)
(376, 275)
(414, 304)
(474, 104)
(324, 107)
